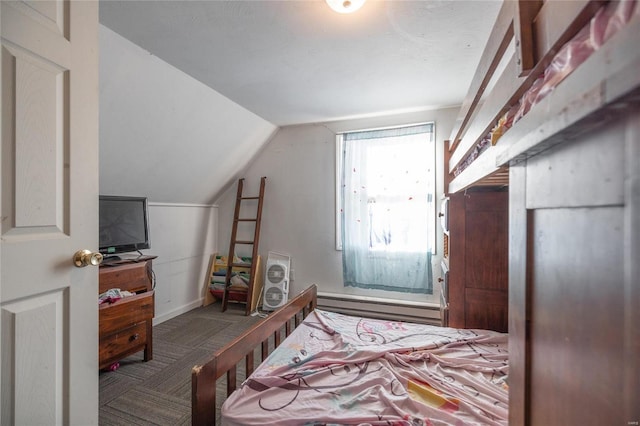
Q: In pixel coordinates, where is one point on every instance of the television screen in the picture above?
(124, 224)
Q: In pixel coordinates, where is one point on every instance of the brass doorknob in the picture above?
(84, 258)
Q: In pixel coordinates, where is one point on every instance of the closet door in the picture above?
(486, 261)
(479, 260)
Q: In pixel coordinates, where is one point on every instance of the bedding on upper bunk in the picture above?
(338, 369)
(606, 22)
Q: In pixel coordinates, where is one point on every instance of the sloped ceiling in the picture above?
(293, 62)
(165, 135)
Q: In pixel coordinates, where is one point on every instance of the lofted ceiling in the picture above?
(295, 62)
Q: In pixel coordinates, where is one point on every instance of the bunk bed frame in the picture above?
(572, 166)
(266, 334)
(607, 81)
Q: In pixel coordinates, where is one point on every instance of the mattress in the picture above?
(339, 369)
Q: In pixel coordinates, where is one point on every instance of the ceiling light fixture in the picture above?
(345, 6)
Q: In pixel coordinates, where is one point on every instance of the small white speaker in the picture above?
(276, 283)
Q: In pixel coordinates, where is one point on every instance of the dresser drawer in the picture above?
(122, 343)
(131, 277)
(126, 312)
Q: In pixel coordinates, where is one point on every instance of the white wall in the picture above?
(299, 216)
(166, 136)
(182, 236)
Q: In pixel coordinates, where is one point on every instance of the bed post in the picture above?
(203, 394)
(526, 11)
(448, 147)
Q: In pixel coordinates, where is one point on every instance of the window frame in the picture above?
(338, 187)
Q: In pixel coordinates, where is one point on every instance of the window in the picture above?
(385, 219)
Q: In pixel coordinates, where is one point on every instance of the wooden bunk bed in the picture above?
(579, 95)
(571, 162)
(572, 166)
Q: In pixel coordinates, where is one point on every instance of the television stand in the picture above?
(126, 326)
(109, 261)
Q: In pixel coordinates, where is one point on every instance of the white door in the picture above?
(49, 204)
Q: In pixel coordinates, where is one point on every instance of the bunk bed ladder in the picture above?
(234, 241)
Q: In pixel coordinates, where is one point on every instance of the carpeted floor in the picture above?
(158, 392)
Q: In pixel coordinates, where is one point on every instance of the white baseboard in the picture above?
(177, 311)
(427, 313)
(414, 312)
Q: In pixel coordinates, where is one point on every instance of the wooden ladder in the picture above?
(234, 241)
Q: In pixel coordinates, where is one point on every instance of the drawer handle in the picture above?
(134, 337)
(440, 214)
(440, 280)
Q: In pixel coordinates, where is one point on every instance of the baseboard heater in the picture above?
(370, 307)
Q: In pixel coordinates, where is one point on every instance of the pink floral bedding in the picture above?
(337, 369)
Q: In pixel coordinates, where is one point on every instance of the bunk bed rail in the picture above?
(224, 361)
(524, 41)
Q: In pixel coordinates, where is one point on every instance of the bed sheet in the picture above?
(341, 370)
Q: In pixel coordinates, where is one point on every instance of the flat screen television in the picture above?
(124, 224)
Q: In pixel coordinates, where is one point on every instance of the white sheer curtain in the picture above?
(387, 209)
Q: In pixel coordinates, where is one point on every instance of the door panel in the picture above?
(49, 320)
(52, 14)
(574, 321)
(36, 148)
(41, 318)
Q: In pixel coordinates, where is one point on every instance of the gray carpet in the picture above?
(158, 392)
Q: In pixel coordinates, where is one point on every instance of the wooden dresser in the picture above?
(126, 326)
(476, 259)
